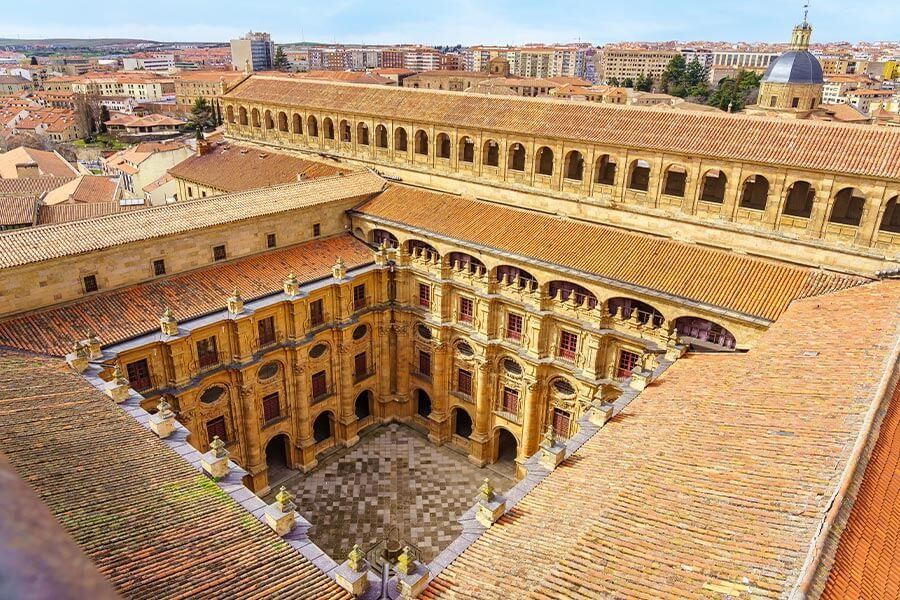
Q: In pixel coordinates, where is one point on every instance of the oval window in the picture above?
(563, 387)
(318, 350)
(360, 332)
(465, 349)
(268, 370)
(512, 366)
(423, 331)
(212, 394)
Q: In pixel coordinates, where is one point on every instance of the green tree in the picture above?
(736, 92)
(696, 79)
(202, 116)
(34, 60)
(613, 81)
(643, 83)
(104, 117)
(281, 62)
(672, 80)
(628, 82)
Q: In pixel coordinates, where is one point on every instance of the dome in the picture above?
(796, 66)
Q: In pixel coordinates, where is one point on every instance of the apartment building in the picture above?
(149, 61)
(628, 63)
(255, 50)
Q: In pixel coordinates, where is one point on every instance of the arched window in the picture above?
(639, 178)
(755, 193)
(362, 408)
(229, 114)
(490, 154)
(381, 137)
(714, 183)
(270, 122)
(297, 124)
(676, 181)
(565, 289)
(848, 207)
(420, 248)
(400, 139)
(890, 222)
(800, 198)
(312, 126)
(543, 161)
(629, 305)
(605, 171)
(517, 157)
(242, 116)
(466, 150)
(443, 146)
(421, 142)
(574, 166)
(345, 131)
(362, 134)
(380, 236)
(515, 275)
(322, 426)
(461, 260)
(282, 121)
(423, 404)
(328, 128)
(254, 118)
(462, 422)
(709, 334)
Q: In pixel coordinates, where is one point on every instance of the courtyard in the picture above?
(394, 477)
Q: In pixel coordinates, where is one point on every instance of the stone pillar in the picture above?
(281, 515)
(353, 573)
(531, 419)
(480, 438)
(215, 462)
(412, 577)
(163, 422)
(305, 444)
(491, 506)
(439, 411)
(117, 389)
(346, 418)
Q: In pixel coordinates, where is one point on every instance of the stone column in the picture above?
(532, 417)
(439, 412)
(480, 438)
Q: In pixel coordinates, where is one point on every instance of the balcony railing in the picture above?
(261, 344)
(208, 362)
(312, 324)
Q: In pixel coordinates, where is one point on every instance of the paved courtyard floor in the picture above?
(393, 477)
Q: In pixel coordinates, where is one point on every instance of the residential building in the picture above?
(422, 59)
(144, 164)
(13, 85)
(253, 52)
(191, 86)
(835, 89)
(24, 162)
(149, 61)
(619, 64)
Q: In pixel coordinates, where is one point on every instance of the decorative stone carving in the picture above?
(412, 577)
(163, 422)
(281, 515)
(339, 271)
(215, 462)
(491, 505)
(353, 573)
(167, 323)
(92, 343)
(291, 285)
(77, 358)
(117, 389)
(235, 303)
(552, 453)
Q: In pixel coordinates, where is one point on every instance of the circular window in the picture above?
(360, 332)
(563, 387)
(268, 370)
(318, 350)
(212, 394)
(465, 349)
(512, 366)
(423, 331)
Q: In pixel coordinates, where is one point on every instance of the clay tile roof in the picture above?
(86, 188)
(152, 524)
(714, 482)
(150, 120)
(31, 186)
(744, 284)
(45, 243)
(54, 214)
(49, 163)
(17, 210)
(232, 168)
(786, 143)
(122, 314)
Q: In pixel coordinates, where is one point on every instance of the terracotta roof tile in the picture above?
(122, 314)
(152, 524)
(785, 143)
(49, 163)
(713, 481)
(65, 213)
(17, 210)
(744, 284)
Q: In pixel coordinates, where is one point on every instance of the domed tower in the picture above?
(793, 84)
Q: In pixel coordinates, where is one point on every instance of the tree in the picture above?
(736, 92)
(34, 60)
(202, 116)
(628, 82)
(672, 80)
(696, 79)
(643, 83)
(104, 117)
(613, 81)
(281, 62)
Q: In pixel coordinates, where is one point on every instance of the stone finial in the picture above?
(356, 559)
(92, 343)
(162, 423)
(77, 358)
(118, 387)
(164, 409)
(353, 573)
(284, 500)
(551, 453)
(281, 515)
(617, 314)
(406, 564)
(490, 506)
(235, 303)
(549, 439)
(217, 447)
(339, 271)
(486, 490)
(118, 376)
(635, 317)
(215, 462)
(381, 255)
(167, 323)
(291, 285)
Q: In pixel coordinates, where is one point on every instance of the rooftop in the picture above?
(48, 163)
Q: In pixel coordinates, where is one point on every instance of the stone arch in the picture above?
(382, 236)
(423, 403)
(421, 142)
(461, 421)
(675, 181)
(328, 128)
(381, 136)
(312, 126)
(564, 290)
(323, 426)
(639, 175)
(714, 185)
(517, 157)
(282, 121)
(605, 170)
(254, 118)
(269, 121)
(490, 153)
(363, 405)
(573, 167)
(629, 305)
(278, 456)
(362, 133)
(296, 124)
(242, 116)
(401, 139)
(442, 145)
(755, 193)
(515, 275)
(466, 150)
(461, 260)
(799, 199)
(848, 207)
(704, 334)
(543, 161)
(421, 248)
(345, 132)
(507, 445)
(229, 114)
(890, 221)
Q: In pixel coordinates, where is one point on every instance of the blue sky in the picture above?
(454, 21)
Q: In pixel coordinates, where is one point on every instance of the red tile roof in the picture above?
(712, 483)
(122, 314)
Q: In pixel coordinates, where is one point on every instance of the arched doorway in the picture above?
(507, 447)
(462, 423)
(322, 428)
(363, 405)
(278, 459)
(423, 404)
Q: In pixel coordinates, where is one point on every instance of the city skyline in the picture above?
(469, 23)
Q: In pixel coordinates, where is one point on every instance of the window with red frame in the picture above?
(561, 423)
(466, 310)
(627, 362)
(359, 297)
(216, 427)
(510, 400)
(139, 375)
(424, 363)
(266, 330)
(360, 364)
(464, 382)
(568, 344)
(271, 407)
(319, 385)
(424, 295)
(316, 313)
(514, 326)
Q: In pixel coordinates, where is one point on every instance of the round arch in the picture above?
(312, 126)
(704, 334)
(714, 185)
(628, 305)
(278, 456)
(345, 131)
(799, 199)
(490, 153)
(242, 116)
(401, 139)
(229, 114)
(296, 124)
(328, 128)
(254, 118)
(323, 426)
(421, 142)
(418, 247)
(543, 161)
(639, 175)
(461, 421)
(848, 207)
(461, 260)
(442, 145)
(573, 166)
(565, 290)
(282, 121)
(363, 405)
(381, 136)
(512, 274)
(382, 236)
(506, 446)
(755, 193)
(362, 133)
(890, 220)
(423, 403)
(675, 181)
(605, 170)
(269, 121)
(466, 150)
(517, 157)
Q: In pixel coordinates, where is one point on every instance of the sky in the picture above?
(465, 22)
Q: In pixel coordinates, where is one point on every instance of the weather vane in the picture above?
(806, 11)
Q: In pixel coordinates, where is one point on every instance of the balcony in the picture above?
(208, 361)
(261, 344)
(521, 291)
(415, 372)
(313, 324)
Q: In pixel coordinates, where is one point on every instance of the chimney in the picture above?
(203, 147)
(27, 170)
